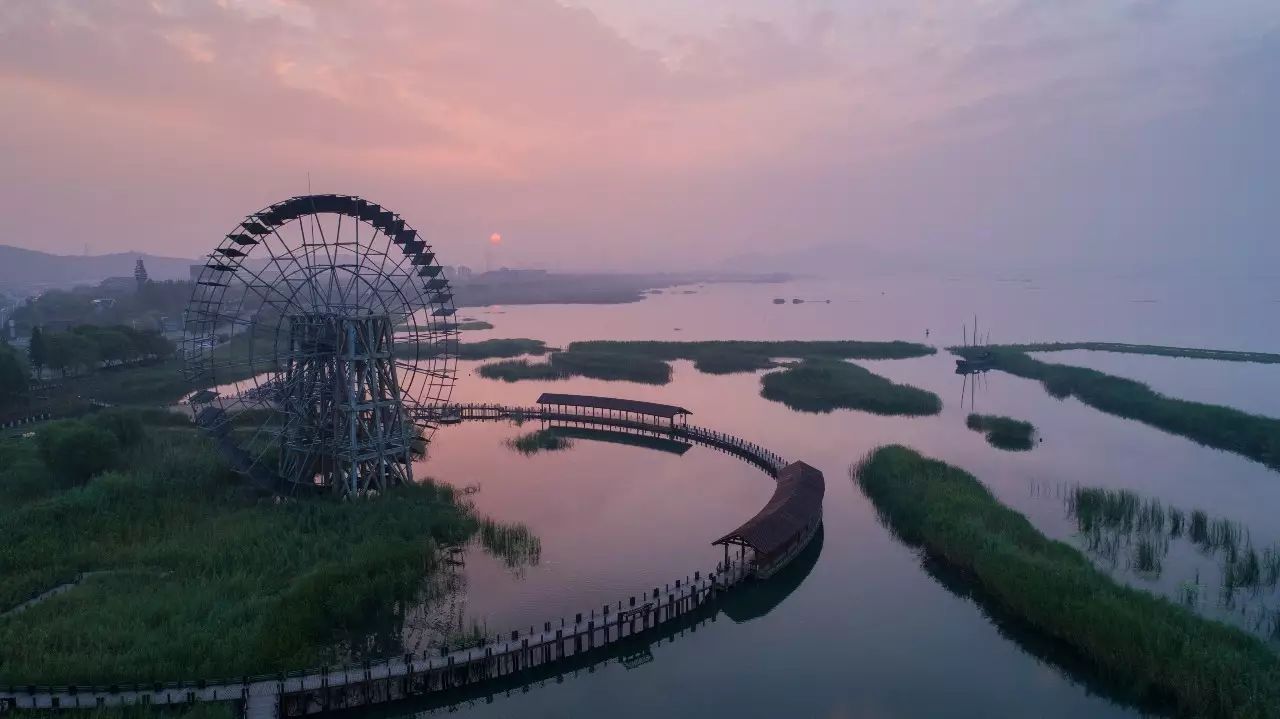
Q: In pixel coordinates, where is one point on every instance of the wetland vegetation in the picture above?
(1253, 436)
(593, 365)
(823, 385)
(1161, 650)
(1003, 432)
(539, 440)
(1124, 530)
(727, 356)
(1153, 350)
(188, 572)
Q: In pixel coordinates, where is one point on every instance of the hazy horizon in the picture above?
(602, 135)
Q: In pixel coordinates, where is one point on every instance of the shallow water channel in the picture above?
(862, 628)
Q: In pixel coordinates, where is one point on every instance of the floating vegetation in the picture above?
(1205, 668)
(823, 385)
(515, 544)
(541, 440)
(1003, 432)
(474, 325)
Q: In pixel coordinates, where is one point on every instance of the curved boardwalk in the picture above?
(536, 651)
(767, 460)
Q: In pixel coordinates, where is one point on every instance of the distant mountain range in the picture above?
(25, 271)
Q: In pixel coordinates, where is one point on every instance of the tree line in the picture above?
(87, 348)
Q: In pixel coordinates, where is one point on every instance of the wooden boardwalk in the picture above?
(467, 672)
(411, 675)
(765, 459)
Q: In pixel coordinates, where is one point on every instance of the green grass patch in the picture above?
(201, 576)
(593, 365)
(1160, 650)
(728, 356)
(474, 325)
(1003, 432)
(1253, 436)
(610, 366)
(484, 349)
(519, 369)
(823, 385)
(496, 348)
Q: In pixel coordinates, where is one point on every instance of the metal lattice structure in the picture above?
(322, 332)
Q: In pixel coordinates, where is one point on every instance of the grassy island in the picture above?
(1153, 350)
(823, 385)
(1164, 652)
(1003, 432)
(176, 569)
(647, 362)
(1253, 436)
(727, 356)
(592, 365)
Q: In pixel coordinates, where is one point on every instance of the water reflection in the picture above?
(747, 603)
(1212, 563)
(1067, 662)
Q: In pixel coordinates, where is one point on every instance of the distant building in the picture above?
(140, 274)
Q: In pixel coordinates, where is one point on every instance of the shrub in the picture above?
(74, 450)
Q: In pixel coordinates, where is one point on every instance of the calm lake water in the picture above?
(861, 628)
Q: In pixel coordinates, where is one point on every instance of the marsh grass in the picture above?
(519, 369)
(541, 440)
(515, 544)
(729, 356)
(1153, 350)
(498, 348)
(647, 362)
(593, 365)
(824, 385)
(1003, 432)
(1113, 524)
(1252, 436)
(1160, 649)
(611, 366)
(204, 576)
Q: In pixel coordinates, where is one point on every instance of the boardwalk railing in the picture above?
(298, 693)
(767, 460)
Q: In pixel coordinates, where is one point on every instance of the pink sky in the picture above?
(608, 133)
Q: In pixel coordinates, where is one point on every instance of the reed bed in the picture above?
(824, 385)
(729, 356)
(541, 440)
(222, 580)
(1252, 436)
(1163, 651)
(1003, 432)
